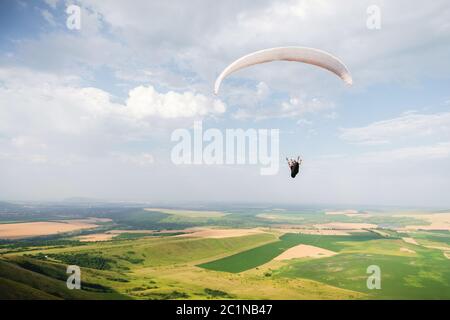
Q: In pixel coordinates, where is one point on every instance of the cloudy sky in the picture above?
(90, 112)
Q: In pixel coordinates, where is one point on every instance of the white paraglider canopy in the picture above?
(298, 54)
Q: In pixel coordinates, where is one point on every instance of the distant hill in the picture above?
(8, 205)
(82, 200)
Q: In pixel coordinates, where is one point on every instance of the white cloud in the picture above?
(48, 95)
(57, 118)
(224, 32)
(188, 54)
(300, 105)
(48, 17)
(75, 53)
(52, 3)
(304, 122)
(31, 158)
(147, 102)
(142, 159)
(400, 176)
(47, 118)
(332, 115)
(294, 109)
(404, 127)
(27, 142)
(263, 90)
(409, 154)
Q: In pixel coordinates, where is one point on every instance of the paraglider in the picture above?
(294, 165)
(298, 54)
(306, 55)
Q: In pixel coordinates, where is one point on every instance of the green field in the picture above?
(153, 265)
(137, 235)
(255, 257)
(426, 276)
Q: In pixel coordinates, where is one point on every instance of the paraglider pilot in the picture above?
(294, 165)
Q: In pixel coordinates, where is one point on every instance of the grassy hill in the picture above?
(170, 266)
(25, 279)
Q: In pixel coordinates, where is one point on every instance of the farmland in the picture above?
(228, 253)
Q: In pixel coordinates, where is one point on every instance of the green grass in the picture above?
(176, 251)
(12, 290)
(425, 276)
(158, 266)
(337, 243)
(128, 257)
(310, 218)
(25, 278)
(141, 219)
(436, 236)
(189, 213)
(133, 235)
(155, 251)
(255, 257)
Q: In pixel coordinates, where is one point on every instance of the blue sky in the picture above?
(89, 112)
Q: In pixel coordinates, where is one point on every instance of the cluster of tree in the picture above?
(80, 259)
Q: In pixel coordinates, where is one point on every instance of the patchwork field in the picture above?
(422, 276)
(348, 213)
(219, 233)
(96, 237)
(34, 229)
(258, 256)
(345, 226)
(188, 213)
(436, 221)
(304, 251)
(180, 254)
(279, 217)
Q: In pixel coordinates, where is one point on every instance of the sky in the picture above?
(89, 112)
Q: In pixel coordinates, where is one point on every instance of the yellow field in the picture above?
(219, 233)
(96, 237)
(189, 213)
(436, 221)
(305, 251)
(34, 229)
(348, 213)
(279, 216)
(345, 226)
